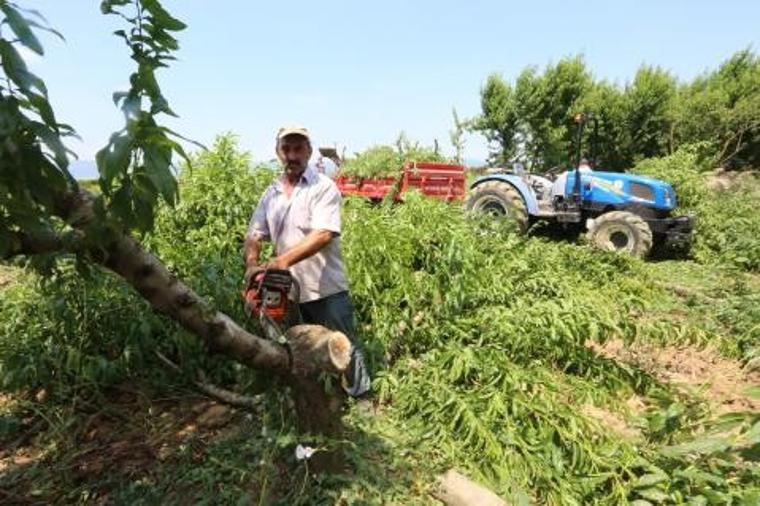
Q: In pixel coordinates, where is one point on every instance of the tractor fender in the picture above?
(518, 184)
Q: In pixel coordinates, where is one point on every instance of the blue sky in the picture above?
(357, 73)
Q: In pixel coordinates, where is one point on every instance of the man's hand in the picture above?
(251, 273)
(277, 263)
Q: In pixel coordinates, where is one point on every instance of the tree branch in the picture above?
(220, 394)
(37, 243)
(122, 254)
(313, 350)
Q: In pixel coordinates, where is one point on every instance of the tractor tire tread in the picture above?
(643, 234)
(509, 197)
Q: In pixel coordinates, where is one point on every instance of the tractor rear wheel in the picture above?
(499, 199)
(621, 231)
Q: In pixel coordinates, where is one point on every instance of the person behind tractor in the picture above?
(558, 188)
(300, 214)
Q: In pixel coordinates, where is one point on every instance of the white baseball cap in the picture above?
(293, 130)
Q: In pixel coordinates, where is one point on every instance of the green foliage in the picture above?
(492, 329)
(477, 339)
(499, 120)
(653, 115)
(386, 161)
(456, 135)
(33, 159)
(533, 119)
(74, 333)
(375, 161)
(96, 328)
(608, 104)
(722, 108)
(649, 103)
(219, 194)
(136, 166)
(727, 226)
(549, 104)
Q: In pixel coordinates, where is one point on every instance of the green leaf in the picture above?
(42, 106)
(107, 6)
(157, 166)
(196, 143)
(162, 17)
(753, 391)
(118, 96)
(46, 28)
(114, 159)
(648, 480)
(654, 495)
(121, 203)
(52, 140)
(144, 202)
(703, 446)
(21, 28)
(752, 436)
(751, 498)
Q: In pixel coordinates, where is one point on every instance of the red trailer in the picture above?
(438, 180)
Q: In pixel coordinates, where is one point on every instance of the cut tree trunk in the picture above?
(315, 349)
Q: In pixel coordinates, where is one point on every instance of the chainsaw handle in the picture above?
(251, 277)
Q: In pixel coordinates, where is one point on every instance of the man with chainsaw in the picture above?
(300, 214)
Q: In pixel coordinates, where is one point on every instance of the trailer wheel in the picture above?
(621, 231)
(501, 200)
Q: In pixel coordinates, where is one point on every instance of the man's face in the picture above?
(294, 152)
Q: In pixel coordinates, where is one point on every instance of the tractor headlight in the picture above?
(668, 199)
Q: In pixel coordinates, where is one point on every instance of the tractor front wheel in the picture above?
(621, 231)
(499, 199)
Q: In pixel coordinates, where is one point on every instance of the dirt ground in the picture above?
(724, 381)
(127, 441)
(7, 276)
(722, 180)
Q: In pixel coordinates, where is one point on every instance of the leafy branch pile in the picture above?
(386, 161)
(477, 337)
(727, 224)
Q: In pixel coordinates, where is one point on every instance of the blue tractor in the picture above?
(620, 212)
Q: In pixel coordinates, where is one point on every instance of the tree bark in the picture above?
(316, 349)
(22, 243)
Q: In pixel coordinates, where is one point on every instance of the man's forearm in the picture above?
(252, 251)
(310, 245)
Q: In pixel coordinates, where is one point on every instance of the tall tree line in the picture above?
(531, 118)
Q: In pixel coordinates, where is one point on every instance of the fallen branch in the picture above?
(455, 489)
(217, 393)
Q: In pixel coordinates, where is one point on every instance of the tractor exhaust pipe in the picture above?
(580, 120)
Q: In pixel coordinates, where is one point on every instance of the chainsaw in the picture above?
(267, 298)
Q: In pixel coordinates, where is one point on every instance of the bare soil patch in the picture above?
(724, 380)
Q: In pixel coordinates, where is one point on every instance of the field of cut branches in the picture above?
(545, 370)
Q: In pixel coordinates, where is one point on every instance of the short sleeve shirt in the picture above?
(314, 205)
